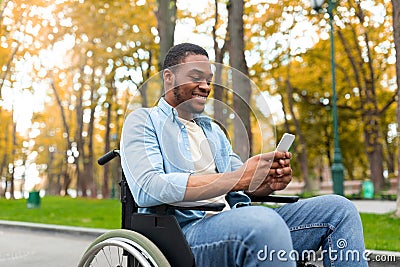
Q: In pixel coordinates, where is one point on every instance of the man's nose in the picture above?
(205, 85)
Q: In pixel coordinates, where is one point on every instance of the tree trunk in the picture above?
(219, 93)
(372, 128)
(7, 68)
(166, 19)
(80, 143)
(365, 80)
(66, 130)
(242, 141)
(374, 154)
(13, 155)
(391, 157)
(302, 147)
(88, 160)
(3, 4)
(51, 185)
(144, 87)
(396, 30)
(4, 164)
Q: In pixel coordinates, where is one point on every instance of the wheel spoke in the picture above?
(105, 257)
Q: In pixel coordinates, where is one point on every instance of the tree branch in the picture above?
(392, 100)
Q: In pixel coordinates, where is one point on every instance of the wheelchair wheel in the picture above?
(120, 248)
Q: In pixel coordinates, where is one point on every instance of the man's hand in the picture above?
(280, 176)
(254, 172)
(277, 173)
(259, 175)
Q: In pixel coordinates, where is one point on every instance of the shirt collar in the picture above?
(201, 119)
(167, 108)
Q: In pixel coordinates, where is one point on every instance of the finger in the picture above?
(276, 173)
(284, 162)
(280, 159)
(280, 164)
(287, 171)
(283, 171)
(279, 155)
(276, 165)
(273, 172)
(280, 183)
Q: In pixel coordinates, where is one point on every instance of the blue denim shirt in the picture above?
(156, 158)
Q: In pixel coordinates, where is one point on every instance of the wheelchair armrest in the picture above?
(195, 205)
(274, 198)
(215, 206)
(198, 205)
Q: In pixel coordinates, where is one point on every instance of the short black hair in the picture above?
(179, 52)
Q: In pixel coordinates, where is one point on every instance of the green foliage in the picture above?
(365, 91)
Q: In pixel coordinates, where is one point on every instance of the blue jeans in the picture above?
(260, 236)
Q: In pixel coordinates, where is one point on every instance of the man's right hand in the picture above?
(259, 175)
(264, 173)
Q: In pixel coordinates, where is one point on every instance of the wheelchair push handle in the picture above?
(108, 156)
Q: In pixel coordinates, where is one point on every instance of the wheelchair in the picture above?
(149, 240)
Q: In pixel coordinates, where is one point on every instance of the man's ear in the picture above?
(168, 76)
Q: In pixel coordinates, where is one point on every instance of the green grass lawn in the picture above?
(382, 232)
(82, 212)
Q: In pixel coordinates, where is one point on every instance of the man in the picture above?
(173, 153)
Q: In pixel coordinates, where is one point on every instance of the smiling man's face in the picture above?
(188, 85)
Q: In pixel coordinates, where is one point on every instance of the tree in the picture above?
(366, 81)
(396, 30)
(272, 26)
(302, 146)
(242, 141)
(101, 52)
(166, 18)
(362, 42)
(218, 90)
(21, 27)
(109, 60)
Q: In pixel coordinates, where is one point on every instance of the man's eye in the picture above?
(196, 79)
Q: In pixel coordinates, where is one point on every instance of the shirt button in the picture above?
(191, 171)
(183, 126)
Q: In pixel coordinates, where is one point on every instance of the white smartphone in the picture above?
(285, 142)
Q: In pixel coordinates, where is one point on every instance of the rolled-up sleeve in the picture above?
(143, 164)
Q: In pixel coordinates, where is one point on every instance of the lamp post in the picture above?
(337, 168)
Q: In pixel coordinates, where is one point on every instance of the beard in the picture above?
(185, 105)
(177, 94)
